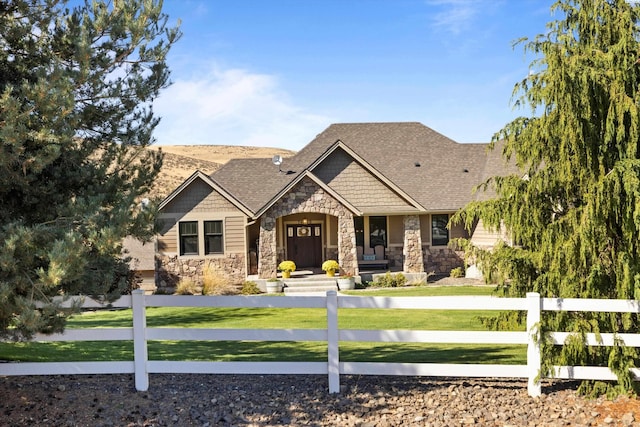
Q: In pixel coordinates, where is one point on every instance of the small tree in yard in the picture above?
(574, 209)
(75, 119)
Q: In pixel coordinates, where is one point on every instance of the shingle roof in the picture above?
(443, 181)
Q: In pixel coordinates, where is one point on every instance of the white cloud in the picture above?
(233, 107)
(456, 16)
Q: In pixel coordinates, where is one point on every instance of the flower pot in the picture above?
(346, 283)
(274, 287)
(331, 273)
(286, 274)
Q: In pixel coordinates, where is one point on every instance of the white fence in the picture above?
(141, 366)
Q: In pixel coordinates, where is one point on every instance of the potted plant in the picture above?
(287, 267)
(346, 282)
(330, 266)
(274, 286)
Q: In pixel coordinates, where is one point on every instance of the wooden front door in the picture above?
(304, 245)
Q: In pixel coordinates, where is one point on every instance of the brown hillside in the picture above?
(180, 161)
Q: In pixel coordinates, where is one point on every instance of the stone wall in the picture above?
(170, 269)
(306, 197)
(268, 257)
(442, 260)
(395, 255)
(413, 260)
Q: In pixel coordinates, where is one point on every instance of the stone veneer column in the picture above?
(413, 259)
(267, 261)
(347, 244)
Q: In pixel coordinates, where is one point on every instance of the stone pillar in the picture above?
(347, 257)
(267, 261)
(413, 259)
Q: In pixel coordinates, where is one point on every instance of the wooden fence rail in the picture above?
(140, 334)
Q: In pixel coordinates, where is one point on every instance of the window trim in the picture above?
(358, 226)
(181, 240)
(201, 236)
(433, 223)
(385, 237)
(205, 236)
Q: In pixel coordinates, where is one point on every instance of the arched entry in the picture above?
(304, 244)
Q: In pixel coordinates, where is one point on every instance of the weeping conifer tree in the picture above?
(574, 209)
(76, 86)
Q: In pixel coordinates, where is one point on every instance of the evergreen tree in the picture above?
(76, 85)
(574, 210)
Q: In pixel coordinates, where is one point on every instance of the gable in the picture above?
(198, 197)
(358, 185)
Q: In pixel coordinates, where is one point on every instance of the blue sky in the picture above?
(276, 73)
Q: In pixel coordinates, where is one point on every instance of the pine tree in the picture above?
(574, 210)
(76, 85)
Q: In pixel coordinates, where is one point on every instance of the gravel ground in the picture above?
(300, 400)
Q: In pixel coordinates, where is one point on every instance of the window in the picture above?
(439, 231)
(377, 231)
(213, 237)
(358, 225)
(189, 238)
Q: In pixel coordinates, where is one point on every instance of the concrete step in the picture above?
(307, 291)
(310, 282)
(309, 287)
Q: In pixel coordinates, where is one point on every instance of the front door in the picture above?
(304, 245)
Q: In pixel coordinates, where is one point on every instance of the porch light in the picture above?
(305, 221)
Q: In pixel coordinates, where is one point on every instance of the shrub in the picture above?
(390, 280)
(456, 272)
(186, 286)
(287, 266)
(250, 288)
(330, 264)
(215, 282)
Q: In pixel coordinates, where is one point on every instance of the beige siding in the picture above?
(234, 233)
(484, 238)
(168, 238)
(457, 231)
(396, 230)
(425, 229)
(198, 202)
(353, 182)
(199, 197)
(333, 230)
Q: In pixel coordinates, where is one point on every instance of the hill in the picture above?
(180, 161)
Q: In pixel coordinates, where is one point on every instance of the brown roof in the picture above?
(430, 168)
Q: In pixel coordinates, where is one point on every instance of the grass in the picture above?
(251, 318)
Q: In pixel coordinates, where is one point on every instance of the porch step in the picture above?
(309, 287)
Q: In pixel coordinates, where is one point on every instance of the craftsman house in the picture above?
(369, 195)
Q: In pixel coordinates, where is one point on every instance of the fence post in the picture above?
(140, 355)
(333, 352)
(534, 356)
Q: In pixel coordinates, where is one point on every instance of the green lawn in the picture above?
(282, 318)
